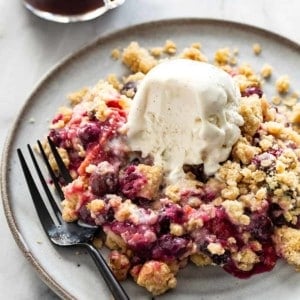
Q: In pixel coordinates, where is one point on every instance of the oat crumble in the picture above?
(170, 47)
(266, 71)
(256, 48)
(283, 84)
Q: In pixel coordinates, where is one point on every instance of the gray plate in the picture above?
(59, 267)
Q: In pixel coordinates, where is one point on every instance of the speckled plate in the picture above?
(59, 268)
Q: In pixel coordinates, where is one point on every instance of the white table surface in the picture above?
(29, 46)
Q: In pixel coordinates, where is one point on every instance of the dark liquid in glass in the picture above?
(66, 7)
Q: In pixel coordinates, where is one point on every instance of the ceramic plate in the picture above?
(72, 275)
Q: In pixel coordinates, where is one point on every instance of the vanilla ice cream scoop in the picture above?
(185, 112)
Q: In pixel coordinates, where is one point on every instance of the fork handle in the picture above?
(113, 284)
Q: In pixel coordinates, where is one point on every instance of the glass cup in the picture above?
(66, 11)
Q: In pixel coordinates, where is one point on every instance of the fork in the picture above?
(61, 233)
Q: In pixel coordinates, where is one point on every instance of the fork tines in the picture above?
(42, 211)
(33, 188)
(50, 170)
(61, 165)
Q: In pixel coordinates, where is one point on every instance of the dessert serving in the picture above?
(184, 161)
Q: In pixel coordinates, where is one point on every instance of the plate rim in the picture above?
(8, 211)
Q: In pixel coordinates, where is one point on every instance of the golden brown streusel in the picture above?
(215, 248)
(156, 51)
(287, 242)
(137, 58)
(156, 277)
(119, 264)
(200, 259)
(176, 229)
(245, 259)
(251, 111)
(135, 77)
(114, 81)
(222, 56)
(230, 173)
(96, 206)
(266, 71)
(283, 84)
(116, 53)
(193, 54)
(256, 48)
(243, 151)
(235, 212)
(173, 192)
(78, 96)
(295, 116)
(246, 70)
(115, 242)
(69, 214)
(154, 176)
(170, 47)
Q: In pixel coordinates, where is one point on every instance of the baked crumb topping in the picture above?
(283, 84)
(256, 48)
(138, 59)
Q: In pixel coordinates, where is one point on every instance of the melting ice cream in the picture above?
(185, 112)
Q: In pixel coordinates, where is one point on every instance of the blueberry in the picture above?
(261, 227)
(221, 259)
(136, 161)
(102, 184)
(197, 170)
(55, 137)
(164, 224)
(85, 215)
(110, 215)
(276, 215)
(89, 133)
(169, 247)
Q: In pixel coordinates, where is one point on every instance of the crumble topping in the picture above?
(156, 277)
(222, 56)
(153, 176)
(287, 241)
(200, 259)
(283, 84)
(119, 264)
(266, 71)
(170, 47)
(256, 48)
(139, 59)
(193, 53)
(156, 51)
(245, 259)
(115, 53)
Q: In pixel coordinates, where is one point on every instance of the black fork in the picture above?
(65, 234)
